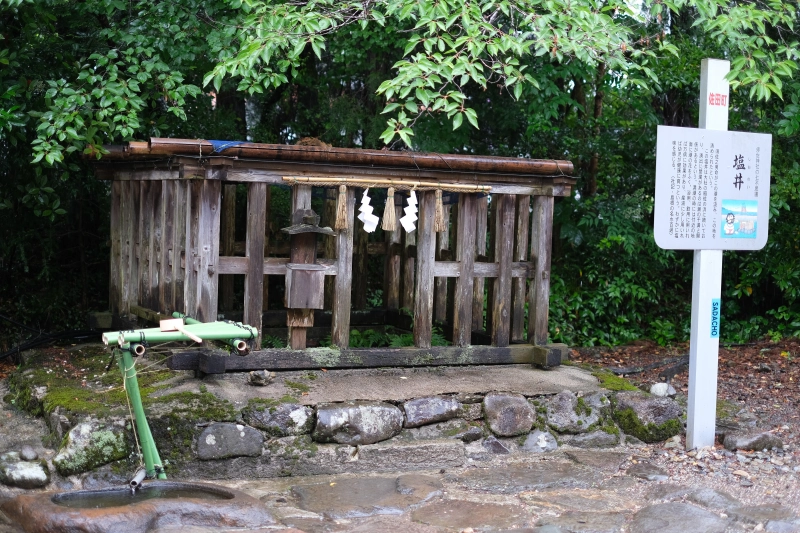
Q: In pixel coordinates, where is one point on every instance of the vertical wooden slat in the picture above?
(503, 253)
(539, 291)
(265, 291)
(440, 288)
(155, 244)
(391, 292)
(408, 267)
(492, 256)
(133, 281)
(340, 327)
(465, 254)
(328, 218)
(194, 195)
(178, 252)
(145, 227)
(208, 247)
(165, 278)
(481, 217)
(254, 249)
(426, 256)
(303, 249)
(115, 274)
(227, 240)
(518, 291)
(126, 206)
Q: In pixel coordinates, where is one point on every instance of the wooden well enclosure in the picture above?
(484, 281)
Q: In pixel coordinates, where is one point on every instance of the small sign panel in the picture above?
(712, 189)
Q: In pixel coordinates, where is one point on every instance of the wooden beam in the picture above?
(518, 290)
(148, 314)
(254, 276)
(426, 256)
(340, 330)
(465, 255)
(503, 252)
(539, 291)
(273, 266)
(481, 218)
(281, 359)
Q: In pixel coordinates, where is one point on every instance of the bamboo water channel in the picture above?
(174, 249)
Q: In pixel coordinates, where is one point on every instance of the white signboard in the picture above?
(712, 189)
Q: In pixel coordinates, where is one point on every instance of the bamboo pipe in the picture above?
(239, 345)
(411, 184)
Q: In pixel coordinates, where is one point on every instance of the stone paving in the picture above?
(621, 490)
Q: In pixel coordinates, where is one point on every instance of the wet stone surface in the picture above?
(539, 441)
(647, 471)
(676, 518)
(586, 522)
(355, 497)
(460, 514)
(524, 477)
(604, 461)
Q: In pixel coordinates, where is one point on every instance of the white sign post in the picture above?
(712, 194)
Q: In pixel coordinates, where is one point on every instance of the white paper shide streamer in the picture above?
(370, 221)
(411, 213)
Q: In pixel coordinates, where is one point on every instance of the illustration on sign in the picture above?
(712, 189)
(739, 219)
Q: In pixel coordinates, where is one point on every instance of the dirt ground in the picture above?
(760, 377)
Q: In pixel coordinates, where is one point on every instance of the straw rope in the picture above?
(403, 185)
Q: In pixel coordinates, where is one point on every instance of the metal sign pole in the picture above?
(706, 283)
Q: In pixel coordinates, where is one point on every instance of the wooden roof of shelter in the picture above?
(165, 158)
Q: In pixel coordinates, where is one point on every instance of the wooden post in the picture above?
(503, 253)
(227, 240)
(145, 221)
(133, 267)
(328, 218)
(360, 261)
(465, 254)
(167, 234)
(440, 290)
(302, 249)
(426, 256)
(481, 217)
(409, 255)
(208, 245)
(340, 327)
(539, 291)
(154, 250)
(191, 260)
(491, 253)
(254, 250)
(518, 291)
(391, 291)
(267, 211)
(115, 274)
(178, 251)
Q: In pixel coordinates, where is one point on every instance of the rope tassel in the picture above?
(341, 208)
(439, 223)
(389, 217)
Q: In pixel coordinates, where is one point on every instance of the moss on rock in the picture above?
(631, 425)
(89, 445)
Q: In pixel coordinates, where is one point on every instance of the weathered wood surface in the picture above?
(503, 252)
(340, 330)
(179, 246)
(360, 261)
(426, 256)
(148, 314)
(302, 249)
(481, 219)
(254, 277)
(519, 285)
(440, 284)
(166, 283)
(392, 262)
(227, 236)
(539, 291)
(154, 251)
(282, 359)
(193, 195)
(144, 221)
(408, 265)
(267, 244)
(115, 277)
(465, 255)
(329, 242)
(491, 258)
(208, 249)
(133, 268)
(273, 266)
